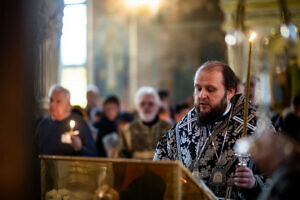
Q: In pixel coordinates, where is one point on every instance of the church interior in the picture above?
(121, 45)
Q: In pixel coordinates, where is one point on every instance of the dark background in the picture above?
(18, 169)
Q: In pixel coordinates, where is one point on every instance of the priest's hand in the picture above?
(76, 143)
(244, 177)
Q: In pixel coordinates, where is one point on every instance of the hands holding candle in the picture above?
(242, 146)
(252, 36)
(72, 138)
(72, 125)
(244, 177)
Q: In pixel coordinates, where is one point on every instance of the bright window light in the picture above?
(74, 34)
(152, 4)
(74, 79)
(74, 1)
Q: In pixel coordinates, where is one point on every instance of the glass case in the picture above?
(81, 178)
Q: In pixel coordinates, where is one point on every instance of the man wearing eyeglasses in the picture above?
(141, 137)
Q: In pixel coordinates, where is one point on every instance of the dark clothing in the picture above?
(104, 127)
(91, 112)
(284, 183)
(193, 144)
(48, 136)
(277, 121)
(291, 126)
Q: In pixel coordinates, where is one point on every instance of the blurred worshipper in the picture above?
(165, 110)
(292, 121)
(189, 101)
(108, 122)
(204, 139)
(141, 137)
(278, 155)
(289, 109)
(79, 111)
(240, 87)
(253, 82)
(124, 121)
(277, 120)
(92, 108)
(180, 111)
(164, 115)
(97, 116)
(54, 135)
(113, 143)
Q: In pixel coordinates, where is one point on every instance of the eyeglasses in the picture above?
(145, 103)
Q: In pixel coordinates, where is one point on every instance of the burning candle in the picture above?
(252, 36)
(67, 136)
(72, 125)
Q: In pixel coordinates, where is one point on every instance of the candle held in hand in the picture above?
(247, 89)
(72, 125)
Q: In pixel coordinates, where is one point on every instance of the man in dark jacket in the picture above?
(108, 122)
(52, 130)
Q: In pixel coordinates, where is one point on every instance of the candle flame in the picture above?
(252, 37)
(72, 124)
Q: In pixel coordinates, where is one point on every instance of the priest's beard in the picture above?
(214, 114)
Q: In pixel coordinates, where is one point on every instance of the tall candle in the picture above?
(253, 35)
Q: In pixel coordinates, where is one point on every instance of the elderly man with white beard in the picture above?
(141, 137)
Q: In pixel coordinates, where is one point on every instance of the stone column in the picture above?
(48, 43)
(90, 43)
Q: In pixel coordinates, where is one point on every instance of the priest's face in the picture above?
(59, 105)
(147, 108)
(211, 98)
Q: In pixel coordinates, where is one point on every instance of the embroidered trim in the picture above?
(178, 141)
(253, 128)
(189, 121)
